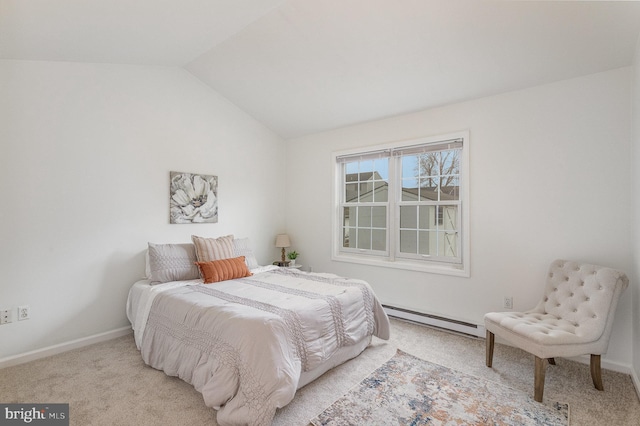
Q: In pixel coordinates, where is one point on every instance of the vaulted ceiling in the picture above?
(304, 66)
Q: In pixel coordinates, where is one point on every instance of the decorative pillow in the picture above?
(242, 247)
(224, 269)
(172, 262)
(208, 249)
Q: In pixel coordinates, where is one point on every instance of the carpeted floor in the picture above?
(108, 384)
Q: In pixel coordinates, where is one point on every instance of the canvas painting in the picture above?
(193, 198)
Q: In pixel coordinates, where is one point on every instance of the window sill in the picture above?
(432, 268)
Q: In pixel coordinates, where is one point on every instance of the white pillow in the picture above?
(242, 247)
(172, 262)
(147, 267)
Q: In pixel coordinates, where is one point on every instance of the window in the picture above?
(404, 205)
(365, 206)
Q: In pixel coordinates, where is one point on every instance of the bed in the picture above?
(247, 344)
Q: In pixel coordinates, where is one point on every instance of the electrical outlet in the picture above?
(23, 312)
(5, 316)
(508, 302)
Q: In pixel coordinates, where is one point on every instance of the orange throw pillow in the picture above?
(224, 269)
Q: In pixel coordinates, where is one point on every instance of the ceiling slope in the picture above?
(304, 66)
(149, 32)
(310, 66)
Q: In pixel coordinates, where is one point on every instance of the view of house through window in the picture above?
(403, 202)
(366, 193)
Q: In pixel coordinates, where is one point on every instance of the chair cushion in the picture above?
(540, 328)
(543, 335)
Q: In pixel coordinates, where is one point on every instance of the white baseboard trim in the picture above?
(63, 347)
(605, 364)
(636, 381)
(436, 321)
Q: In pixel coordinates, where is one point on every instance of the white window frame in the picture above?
(391, 257)
(385, 154)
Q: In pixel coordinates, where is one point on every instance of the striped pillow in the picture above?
(208, 249)
(224, 269)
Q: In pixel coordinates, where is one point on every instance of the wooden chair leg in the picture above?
(490, 342)
(552, 361)
(596, 372)
(539, 379)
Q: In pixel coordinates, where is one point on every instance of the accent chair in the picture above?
(574, 317)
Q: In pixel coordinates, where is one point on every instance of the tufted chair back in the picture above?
(583, 295)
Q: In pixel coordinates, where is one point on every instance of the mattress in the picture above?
(248, 344)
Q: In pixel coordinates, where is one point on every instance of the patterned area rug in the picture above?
(410, 391)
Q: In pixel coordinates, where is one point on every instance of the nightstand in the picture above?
(287, 264)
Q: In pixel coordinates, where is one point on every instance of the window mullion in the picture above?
(393, 225)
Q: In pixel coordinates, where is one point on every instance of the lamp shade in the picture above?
(282, 240)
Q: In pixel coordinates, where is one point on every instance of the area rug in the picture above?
(407, 390)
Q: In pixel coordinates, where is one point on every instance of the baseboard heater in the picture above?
(436, 321)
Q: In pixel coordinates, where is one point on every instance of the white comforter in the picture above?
(244, 343)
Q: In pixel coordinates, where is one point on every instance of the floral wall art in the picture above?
(194, 198)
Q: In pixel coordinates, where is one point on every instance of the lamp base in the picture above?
(281, 264)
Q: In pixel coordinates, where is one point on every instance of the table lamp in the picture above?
(282, 240)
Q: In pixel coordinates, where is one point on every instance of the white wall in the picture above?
(635, 283)
(550, 170)
(86, 152)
